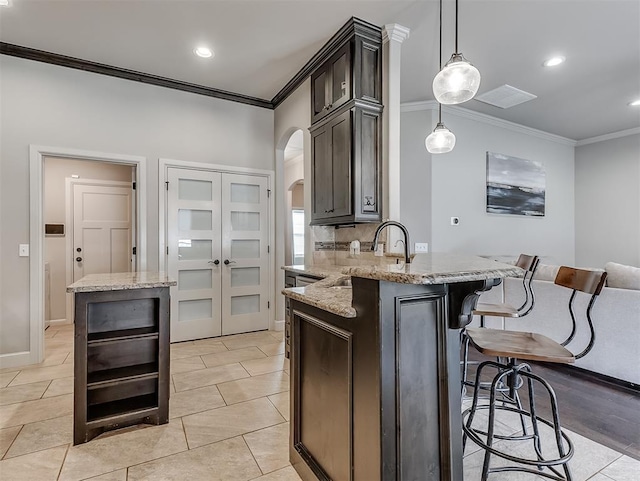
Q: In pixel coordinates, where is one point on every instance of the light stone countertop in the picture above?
(437, 268)
(121, 281)
(434, 268)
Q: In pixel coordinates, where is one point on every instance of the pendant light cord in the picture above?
(457, 26)
(440, 62)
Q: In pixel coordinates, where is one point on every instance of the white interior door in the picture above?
(245, 250)
(193, 255)
(101, 229)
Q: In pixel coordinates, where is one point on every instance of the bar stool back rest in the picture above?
(529, 264)
(589, 282)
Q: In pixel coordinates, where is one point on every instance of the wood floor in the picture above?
(606, 413)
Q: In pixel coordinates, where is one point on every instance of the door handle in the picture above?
(227, 262)
(216, 262)
(78, 259)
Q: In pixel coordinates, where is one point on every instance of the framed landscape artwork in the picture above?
(515, 186)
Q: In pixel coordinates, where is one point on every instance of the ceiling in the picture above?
(261, 44)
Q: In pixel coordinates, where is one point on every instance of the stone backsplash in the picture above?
(331, 245)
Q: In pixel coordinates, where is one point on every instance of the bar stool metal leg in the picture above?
(538, 465)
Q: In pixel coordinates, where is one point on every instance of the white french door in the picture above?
(193, 221)
(217, 252)
(245, 285)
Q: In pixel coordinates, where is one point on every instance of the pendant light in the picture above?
(458, 81)
(441, 140)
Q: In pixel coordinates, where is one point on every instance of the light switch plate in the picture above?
(23, 250)
(421, 247)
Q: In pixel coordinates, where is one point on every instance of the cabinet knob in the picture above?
(78, 259)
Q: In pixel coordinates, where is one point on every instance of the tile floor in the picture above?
(229, 414)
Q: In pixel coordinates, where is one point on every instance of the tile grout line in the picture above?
(4, 456)
(64, 458)
(252, 455)
(605, 467)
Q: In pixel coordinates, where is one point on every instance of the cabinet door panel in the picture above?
(341, 156)
(322, 183)
(340, 79)
(369, 159)
(370, 79)
(319, 94)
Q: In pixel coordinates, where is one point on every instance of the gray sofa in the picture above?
(616, 318)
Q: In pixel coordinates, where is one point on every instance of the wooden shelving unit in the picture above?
(121, 350)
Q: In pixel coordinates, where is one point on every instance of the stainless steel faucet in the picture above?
(404, 230)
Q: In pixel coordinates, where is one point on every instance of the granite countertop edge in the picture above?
(325, 294)
(121, 282)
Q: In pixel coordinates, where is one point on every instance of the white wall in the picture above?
(56, 170)
(457, 187)
(292, 114)
(55, 106)
(608, 202)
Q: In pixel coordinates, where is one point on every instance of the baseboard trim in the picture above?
(594, 376)
(278, 325)
(15, 359)
(59, 322)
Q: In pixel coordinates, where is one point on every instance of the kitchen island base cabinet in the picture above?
(121, 355)
(377, 397)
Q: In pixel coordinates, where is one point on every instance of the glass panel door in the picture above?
(193, 225)
(245, 270)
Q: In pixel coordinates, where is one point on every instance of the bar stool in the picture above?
(528, 346)
(529, 264)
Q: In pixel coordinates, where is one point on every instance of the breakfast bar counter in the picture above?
(375, 377)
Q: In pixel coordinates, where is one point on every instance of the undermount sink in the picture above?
(344, 283)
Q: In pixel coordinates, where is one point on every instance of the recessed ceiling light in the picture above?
(635, 103)
(4, 3)
(203, 52)
(553, 61)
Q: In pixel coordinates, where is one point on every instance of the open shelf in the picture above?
(122, 407)
(109, 336)
(109, 376)
(121, 351)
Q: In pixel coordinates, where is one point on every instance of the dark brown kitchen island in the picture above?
(375, 381)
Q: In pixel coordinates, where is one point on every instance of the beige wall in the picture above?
(56, 170)
(54, 106)
(438, 187)
(297, 196)
(608, 202)
(292, 114)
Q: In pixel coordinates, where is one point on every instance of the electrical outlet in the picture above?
(455, 221)
(421, 247)
(23, 250)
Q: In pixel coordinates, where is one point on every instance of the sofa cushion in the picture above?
(622, 277)
(546, 272)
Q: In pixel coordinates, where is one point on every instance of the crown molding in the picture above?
(487, 119)
(103, 69)
(613, 135)
(395, 32)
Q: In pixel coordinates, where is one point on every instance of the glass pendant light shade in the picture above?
(441, 140)
(457, 82)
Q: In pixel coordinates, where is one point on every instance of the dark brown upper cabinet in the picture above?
(346, 130)
(352, 72)
(345, 168)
